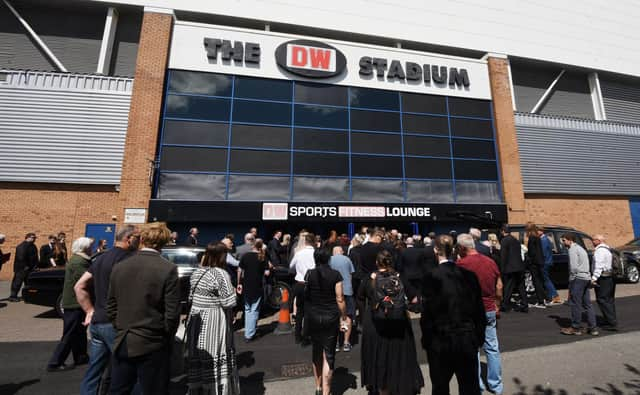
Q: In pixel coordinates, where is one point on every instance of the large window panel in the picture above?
(320, 189)
(469, 107)
(320, 164)
(321, 117)
(414, 102)
(260, 136)
(193, 107)
(321, 94)
(200, 83)
(185, 186)
(376, 166)
(374, 99)
(261, 112)
(475, 170)
(381, 191)
(321, 140)
(427, 168)
(429, 191)
(375, 143)
(426, 146)
(375, 120)
(193, 159)
(262, 88)
(253, 161)
(462, 127)
(478, 149)
(258, 188)
(477, 192)
(425, 124)
(195, 133)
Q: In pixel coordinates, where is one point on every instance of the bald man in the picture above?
(604, 283)
(343, 264)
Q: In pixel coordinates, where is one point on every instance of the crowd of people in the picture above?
(129, 298)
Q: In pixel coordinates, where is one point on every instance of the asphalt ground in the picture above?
(28, 333)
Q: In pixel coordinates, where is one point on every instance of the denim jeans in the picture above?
(580, 300)
(100, 350)
(492, 351)
(251, 315)
(548, 284)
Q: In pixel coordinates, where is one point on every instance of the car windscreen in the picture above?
(183, 257)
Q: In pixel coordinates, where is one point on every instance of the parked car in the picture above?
(632, 247)
(560, 270)
(44, 287)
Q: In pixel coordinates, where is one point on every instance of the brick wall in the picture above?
(610, 216)
(48, 209)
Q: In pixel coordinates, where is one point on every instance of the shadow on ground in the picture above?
(13, 388)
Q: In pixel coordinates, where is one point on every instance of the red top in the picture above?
(487, 272)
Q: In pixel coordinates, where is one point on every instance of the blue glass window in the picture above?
(200, 83)
(425, 124)
(376, 143)
(376, 166)
(426, 146)
(320, 164)
(428, 168)
(193, 159)
(478, 149)
(193, 107)
(469, 107)
(475, 170)
(254, 161)
(375, 121)
(374, 99)
(260, 136)
(463, 127)
(321, 94)
(321, 117)
(414, 102)
(321, 140)
(261, 112)
(262, 88)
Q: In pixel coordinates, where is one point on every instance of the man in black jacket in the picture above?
(512, 271)
(26, 260)
(413, 264)
(46, 252)
(143, 306)
(274, 248)
(453, 322)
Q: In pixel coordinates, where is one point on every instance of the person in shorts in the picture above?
(343, 264)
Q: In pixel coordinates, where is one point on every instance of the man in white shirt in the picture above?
(604, 283)
(302, 261)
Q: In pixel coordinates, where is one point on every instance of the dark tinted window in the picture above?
(193, 159)
(196, 133)
(261, 112)
(321, 140)
(198, 108)
(427, 168)
(427, 146)
(374, 98)
(425, 124)
(413, 102)
(321, 94)
(249, 161)
(469, 107)
(473, 149)
(475, 170)
(375, 143)
(262, 88)
(471, 128)
(320, 164)
(260, 136)
(200, 83)
(375, 120)
(322, 117)
(376, 166)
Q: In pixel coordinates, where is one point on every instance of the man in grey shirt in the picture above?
(343, 264)
(579, 294)
(249, 242)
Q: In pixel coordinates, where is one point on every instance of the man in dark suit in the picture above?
(143, 306)
(192, 239)
(453, 322)
(412, 265)
(274, 248)
(512, 270)
(46, 252)
(26, 260)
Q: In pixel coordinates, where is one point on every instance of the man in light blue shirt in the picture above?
(343, 264)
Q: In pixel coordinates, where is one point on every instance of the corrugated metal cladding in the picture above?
(621, 98)
(63, 128)
(574, 156)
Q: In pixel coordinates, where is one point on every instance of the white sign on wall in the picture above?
(135, 215)
(228, 50)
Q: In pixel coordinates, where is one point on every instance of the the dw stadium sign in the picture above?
(311, 59)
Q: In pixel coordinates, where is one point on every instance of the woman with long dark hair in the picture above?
(211, 365)
(251, 272)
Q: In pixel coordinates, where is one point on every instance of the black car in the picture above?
(44, 287)
(560, 269)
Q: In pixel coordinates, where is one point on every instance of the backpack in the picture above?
(389, 299)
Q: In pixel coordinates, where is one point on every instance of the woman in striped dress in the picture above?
(212, 368)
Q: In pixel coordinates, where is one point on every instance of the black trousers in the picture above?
(150, 371)
(74, 338)
(298, 291)
(19, 278)
(538, 282)
(605, 296)
(512, 282)
(444, 364)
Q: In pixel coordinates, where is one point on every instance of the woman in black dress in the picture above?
(389, 361)
(324, 308)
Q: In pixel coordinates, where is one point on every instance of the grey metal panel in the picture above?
(571, 156)
(53, 133)
(621, 99)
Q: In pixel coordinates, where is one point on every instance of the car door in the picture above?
(560, 271)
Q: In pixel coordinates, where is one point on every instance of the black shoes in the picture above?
(59, 368)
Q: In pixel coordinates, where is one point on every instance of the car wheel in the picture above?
(58, 306)
(632, 275)
(275, 297)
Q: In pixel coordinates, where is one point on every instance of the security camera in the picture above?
(114, 217)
